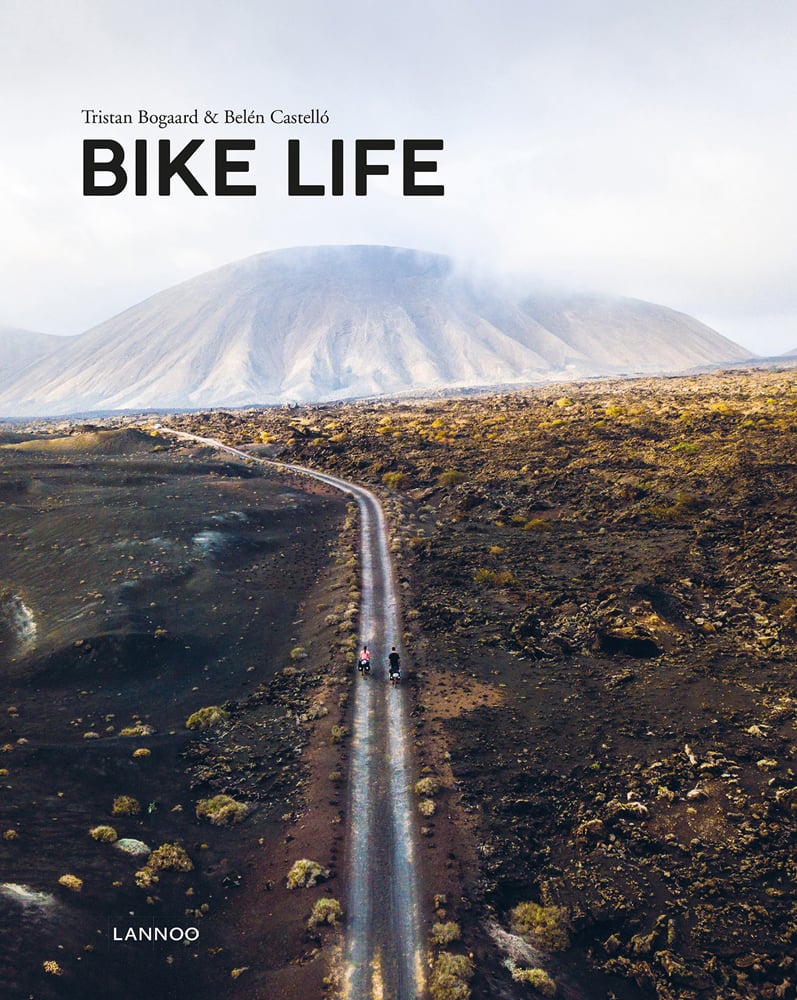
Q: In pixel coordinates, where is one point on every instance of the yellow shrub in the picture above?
(325, 911)
(126, 805)
(221, 810)
(206, 717)
(548, 926)
(105, 834)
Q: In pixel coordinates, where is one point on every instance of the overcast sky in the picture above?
(640, 148)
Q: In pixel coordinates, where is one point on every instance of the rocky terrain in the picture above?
(599, 593)
(599, 599)
(173, 637)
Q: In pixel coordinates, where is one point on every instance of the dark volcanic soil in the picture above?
(140, 582)
(600, 591)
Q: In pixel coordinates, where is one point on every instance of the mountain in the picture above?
(18, 348)
(324, 323)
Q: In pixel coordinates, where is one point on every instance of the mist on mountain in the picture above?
(314, 324)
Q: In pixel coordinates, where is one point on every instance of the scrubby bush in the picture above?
(141, 752)
(426, 786)
(548, 926)
(221, 810)
(139, 729)
(443, 934)
(538, 524)
(170, 856)
(681, 511)
(450, 977)
(206, 717)
(338, 733)
(538, 978)
(145, 878)
(71, 882)
(451, 477)
(325, 911)
(105, 834)
(126, 805)
(427, 807)
(395, 480)
(167, 857)
(494, 577)
(305, 873)
(298, 653)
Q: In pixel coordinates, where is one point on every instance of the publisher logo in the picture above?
(150, 932)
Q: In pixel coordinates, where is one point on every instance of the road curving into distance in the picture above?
(384, 955)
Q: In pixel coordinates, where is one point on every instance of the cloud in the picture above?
(638, 148)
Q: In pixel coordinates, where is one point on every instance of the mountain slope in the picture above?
(320, 323)
(19, 348)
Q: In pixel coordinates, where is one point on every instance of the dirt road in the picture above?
(384, 952)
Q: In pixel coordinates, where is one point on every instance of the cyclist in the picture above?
(394, 664)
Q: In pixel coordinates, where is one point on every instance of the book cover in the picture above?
(397, 448)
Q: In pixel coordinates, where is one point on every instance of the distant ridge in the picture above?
(312, 324)
(18, 348)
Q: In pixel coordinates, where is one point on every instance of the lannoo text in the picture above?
(153, 933)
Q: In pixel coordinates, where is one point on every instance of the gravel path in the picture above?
(384, 953)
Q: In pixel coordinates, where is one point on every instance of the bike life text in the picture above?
(106, 171)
